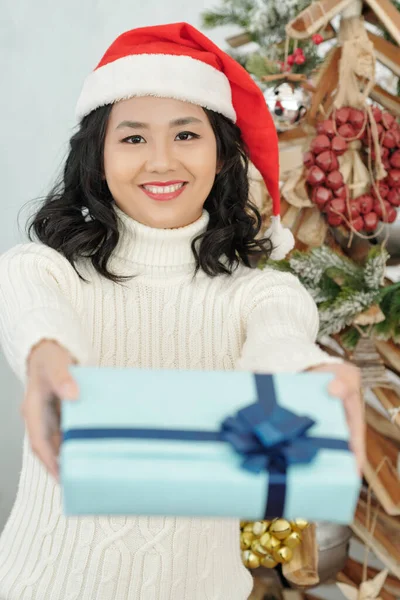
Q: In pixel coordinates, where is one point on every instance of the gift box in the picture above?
(207, 444)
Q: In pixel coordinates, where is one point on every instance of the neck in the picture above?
(147, 249)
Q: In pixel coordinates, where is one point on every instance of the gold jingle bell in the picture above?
(293, 539)
(268, 561)
(272, 543)
(245, 540)
(250, 559)
(260, 527)
(242, 524)
(299, 524)
(248, 527)
(283, 554)
(280, 528)
(257, 548)
(264, 539)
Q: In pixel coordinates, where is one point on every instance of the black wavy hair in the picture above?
(234, 223)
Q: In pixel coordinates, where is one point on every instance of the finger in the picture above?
(40, 444)
(60, 379)
(355, 418)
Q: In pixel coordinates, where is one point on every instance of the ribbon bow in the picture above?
(275, 440)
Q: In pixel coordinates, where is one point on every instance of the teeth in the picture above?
(166, 189)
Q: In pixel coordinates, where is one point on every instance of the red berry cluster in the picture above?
(317, 39)
(297, 57)
(326, 184)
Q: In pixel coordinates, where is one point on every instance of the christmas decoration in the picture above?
(330, 162)
(268, 543)
(369, 590)
(344, 290)
(288, 104)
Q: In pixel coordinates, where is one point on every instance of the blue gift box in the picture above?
(206, 443)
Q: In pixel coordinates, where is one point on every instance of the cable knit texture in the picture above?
(162, 318)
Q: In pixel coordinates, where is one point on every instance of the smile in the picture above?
(164, 192)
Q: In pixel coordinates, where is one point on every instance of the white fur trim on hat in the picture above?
(281, 237)
(164, 75)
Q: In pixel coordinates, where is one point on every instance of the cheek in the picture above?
(205, 165)
(119, 163)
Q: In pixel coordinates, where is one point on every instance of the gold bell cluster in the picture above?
(267, 543)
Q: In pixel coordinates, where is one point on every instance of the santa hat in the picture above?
(177, 61)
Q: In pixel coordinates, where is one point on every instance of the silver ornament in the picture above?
(288, 105)
(333, 545)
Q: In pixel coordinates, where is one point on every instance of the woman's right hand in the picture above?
(48, 380)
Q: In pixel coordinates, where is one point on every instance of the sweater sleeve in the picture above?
(40, 298)
(281, 326)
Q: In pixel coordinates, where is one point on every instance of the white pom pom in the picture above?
(281, 237)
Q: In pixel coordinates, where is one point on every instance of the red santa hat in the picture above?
(177, 61)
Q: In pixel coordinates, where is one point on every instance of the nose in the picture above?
(160, 157)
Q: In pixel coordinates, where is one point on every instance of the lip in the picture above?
(164, 197)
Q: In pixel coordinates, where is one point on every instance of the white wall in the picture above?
(47, 49)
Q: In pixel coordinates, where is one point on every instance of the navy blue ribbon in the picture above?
(267, 436)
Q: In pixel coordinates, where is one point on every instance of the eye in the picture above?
(137, 139)
(186, 136)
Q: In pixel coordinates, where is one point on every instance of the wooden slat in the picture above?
(235, 41)
(386, 483)
(389, 101)
(311, 19)
(327, 82)
(389, 16)
(386, 52)
(385, 542)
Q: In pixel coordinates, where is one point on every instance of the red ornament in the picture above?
(384, 152)
(377, 114)
(387, 120)
(327, 161)
(389, 139)
(327, 128)
(334, 219)
(394, 196)
(317, 39)
(395, 159)
(315, 176)
(358, 223)
(378, 209)
(392, 216)
(337, 205)
(365, 202)
(300, 59)
(383, 189)
(320, 143)
(321, 195)
(394, 178)
(353, 211)
(334, 180)
(357, 118)
(347, 131)
(308, 159)
(380, 130)
(341, 192)
(342, 115)
(290, 60)
(370, 221)
(338, 145)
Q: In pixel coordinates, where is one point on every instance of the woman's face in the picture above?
(160, 160)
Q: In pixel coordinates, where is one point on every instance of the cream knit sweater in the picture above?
(255, 320)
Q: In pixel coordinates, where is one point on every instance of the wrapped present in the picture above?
(206, 443)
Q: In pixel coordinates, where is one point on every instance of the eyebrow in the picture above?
(175, 123)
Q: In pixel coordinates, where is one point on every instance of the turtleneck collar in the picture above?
(146, 249)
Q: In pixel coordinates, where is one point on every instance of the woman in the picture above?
(142, 260)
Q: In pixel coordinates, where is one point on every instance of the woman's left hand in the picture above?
(347, 387)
